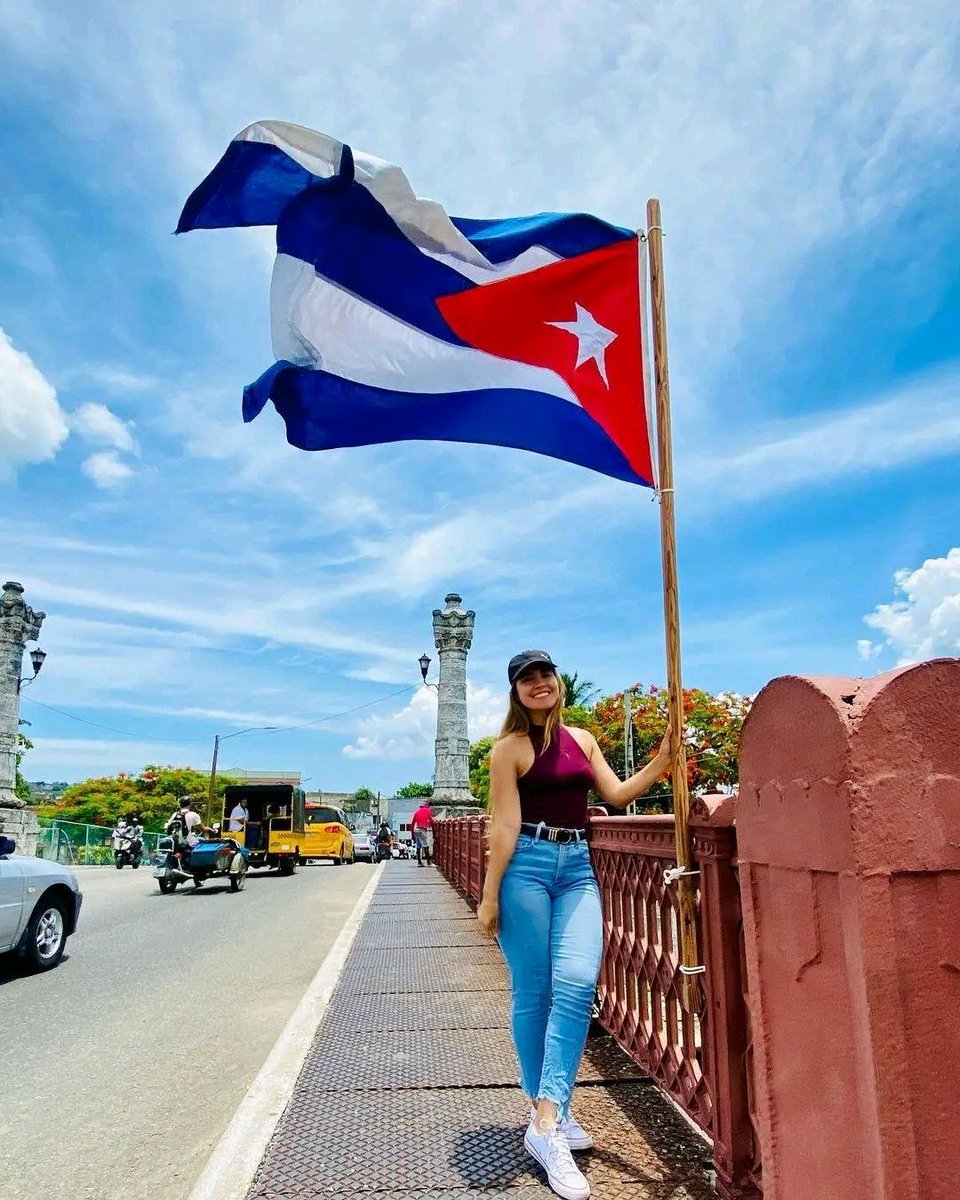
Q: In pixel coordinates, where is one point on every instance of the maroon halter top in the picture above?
(555, 788)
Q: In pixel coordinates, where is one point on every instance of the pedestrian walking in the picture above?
(541, 900)
(421, 823)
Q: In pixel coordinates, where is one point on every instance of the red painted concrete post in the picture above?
(462, 861)
(473, 828)
(483, 854)
(441, 833)
(848, 828)
(726, 1038)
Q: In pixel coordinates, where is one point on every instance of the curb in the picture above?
(233, 1163)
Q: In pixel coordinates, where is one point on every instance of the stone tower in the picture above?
(452, 635)
(19, 624)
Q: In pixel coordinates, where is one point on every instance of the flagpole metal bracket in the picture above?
(672, 874)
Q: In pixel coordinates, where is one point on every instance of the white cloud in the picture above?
(32, 423)
(96, 423)
(411, 732)
(115, 378)
(917, 421)
(925, 622)
(103, 756)
(867, 649)
(222, 607)
(106, 469)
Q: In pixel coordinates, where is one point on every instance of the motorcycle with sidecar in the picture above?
(210, 858)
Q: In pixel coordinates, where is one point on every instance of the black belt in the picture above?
(551, 833)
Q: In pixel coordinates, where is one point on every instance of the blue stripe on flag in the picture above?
(324, 412)
(250, 185)
(254, 181)
(565, 234)
(350, 239)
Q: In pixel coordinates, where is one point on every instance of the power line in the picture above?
(349, 711)
(265, 729)
(110, 728)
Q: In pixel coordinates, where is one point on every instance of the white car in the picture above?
(39, 906)
(363, 846)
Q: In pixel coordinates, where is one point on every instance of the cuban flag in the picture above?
(393, 321)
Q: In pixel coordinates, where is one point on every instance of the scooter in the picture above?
(384, 851)
(127, 849)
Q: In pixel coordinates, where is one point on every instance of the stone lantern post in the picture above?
(19, 624)
(452, 635)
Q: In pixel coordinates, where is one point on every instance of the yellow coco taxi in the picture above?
(327, 834)
(268, 819)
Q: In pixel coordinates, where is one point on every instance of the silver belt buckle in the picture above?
(553, 834)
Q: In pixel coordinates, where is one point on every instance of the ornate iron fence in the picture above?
(701, 1060)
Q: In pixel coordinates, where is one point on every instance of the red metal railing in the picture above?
(700, 1060)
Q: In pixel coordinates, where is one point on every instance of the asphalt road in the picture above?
(120, 1069)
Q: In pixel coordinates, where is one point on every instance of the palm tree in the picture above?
(579, 691)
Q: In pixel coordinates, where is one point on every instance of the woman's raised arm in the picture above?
(621, 792)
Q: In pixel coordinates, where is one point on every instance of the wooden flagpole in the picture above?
(686, 892)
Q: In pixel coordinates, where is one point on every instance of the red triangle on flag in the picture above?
(579, 318)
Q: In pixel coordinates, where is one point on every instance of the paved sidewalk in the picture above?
(409, 1089)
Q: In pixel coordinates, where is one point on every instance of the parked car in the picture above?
(364, 849)
(39, 907)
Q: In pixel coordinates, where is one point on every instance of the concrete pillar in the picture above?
(848, 833)
(19, 624)
(452, 635)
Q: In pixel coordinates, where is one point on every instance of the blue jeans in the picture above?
(551, 935)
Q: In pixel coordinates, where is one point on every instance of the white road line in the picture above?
(236, 1157)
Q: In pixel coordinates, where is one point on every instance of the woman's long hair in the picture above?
(518, 719)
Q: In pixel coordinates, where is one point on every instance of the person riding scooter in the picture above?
(135, 834)
(384, 840)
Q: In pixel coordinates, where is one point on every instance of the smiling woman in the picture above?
(541, 899)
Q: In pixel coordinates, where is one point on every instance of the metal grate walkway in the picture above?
(409, 1089)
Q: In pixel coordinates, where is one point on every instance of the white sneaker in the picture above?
(551, 1151)
(577, 1137)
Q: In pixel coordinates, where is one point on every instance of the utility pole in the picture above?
(212, 791)
(629, 761)
(629, 766)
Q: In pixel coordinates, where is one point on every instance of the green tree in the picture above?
(579, 692)
(713, 724)
(21, 788)
(479, 765)
(154, 793)
(363, 799)
(413, 791)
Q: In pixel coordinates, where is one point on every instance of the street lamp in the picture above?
(36, 661)
(424, 660)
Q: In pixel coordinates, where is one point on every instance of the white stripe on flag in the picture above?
(529, 260)
(316, 323)
(423, 221)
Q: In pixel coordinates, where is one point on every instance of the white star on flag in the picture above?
(592, 339)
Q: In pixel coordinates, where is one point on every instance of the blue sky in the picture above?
(201, 576)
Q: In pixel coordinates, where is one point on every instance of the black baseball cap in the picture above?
(528, 658)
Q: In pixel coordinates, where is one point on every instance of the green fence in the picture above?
(79, 845)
